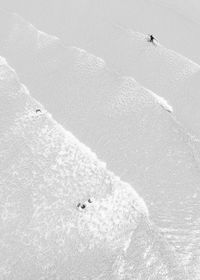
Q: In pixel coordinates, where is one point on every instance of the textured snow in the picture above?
(123, 123)
(128, 126)
(160, 69)
(45, 171)
(76, 21)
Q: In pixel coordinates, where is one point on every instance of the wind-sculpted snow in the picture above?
(160, 69)
(45, 173)
(123, 123)
(174, 22)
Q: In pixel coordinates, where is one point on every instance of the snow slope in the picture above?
(44, 173)
(123, 123)
(158, 68)
(75, 21)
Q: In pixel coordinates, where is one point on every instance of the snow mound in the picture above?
(163, 103)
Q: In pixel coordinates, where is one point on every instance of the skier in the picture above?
(152, 39)
(38, 110)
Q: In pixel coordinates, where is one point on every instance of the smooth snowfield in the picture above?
(189, 10)
(124, 125)
(44, 173)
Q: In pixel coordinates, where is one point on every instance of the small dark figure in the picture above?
(152, 39)
(38, 111)
(81, 205)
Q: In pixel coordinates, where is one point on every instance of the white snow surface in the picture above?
(46, 172)
(158, 68)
